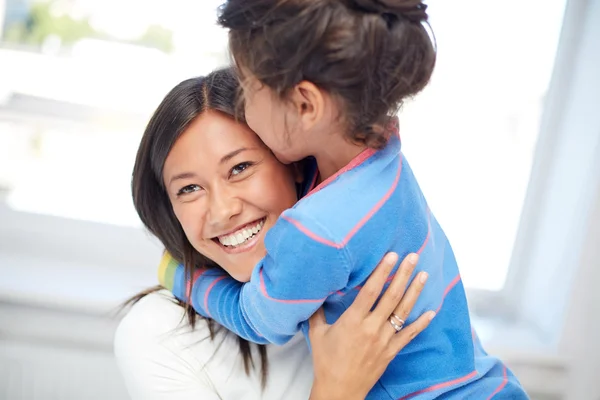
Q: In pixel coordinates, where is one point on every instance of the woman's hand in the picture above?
(352, 354)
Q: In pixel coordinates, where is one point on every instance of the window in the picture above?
(471, 135)
(78, 82)
(81, 78)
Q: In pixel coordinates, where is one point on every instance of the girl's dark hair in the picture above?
(184, 103)
(370, 54)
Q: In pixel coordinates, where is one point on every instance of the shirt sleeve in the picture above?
(301, 269)
(153, 363)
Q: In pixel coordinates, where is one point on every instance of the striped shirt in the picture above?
(321, 251)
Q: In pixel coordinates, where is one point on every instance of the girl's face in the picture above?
(275, 121)
(227, 190)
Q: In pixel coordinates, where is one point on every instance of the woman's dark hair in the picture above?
(184, 103)
(370, 54)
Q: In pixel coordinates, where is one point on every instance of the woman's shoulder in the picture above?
(158, 352)
(156, 319)
(159, 310)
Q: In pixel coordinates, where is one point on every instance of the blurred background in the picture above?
(505, 143)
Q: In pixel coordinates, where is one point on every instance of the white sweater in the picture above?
(161, 358)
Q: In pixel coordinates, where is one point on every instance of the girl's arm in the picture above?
(302, 268)
(158, 362)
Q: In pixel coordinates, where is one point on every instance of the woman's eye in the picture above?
(188, 189)
(241, 167)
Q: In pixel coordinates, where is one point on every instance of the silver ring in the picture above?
(397, 327)
(400, 322)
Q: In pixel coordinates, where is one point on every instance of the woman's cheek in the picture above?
(191, 226)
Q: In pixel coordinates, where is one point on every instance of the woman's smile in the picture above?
(243, 238)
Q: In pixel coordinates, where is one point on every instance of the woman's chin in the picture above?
(242, 278)
(240, 273)
(241, 270)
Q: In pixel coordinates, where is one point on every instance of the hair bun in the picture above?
(412, 10)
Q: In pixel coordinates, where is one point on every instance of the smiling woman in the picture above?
(209, 190)
(225, 197)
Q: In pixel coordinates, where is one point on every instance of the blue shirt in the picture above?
(321, 251)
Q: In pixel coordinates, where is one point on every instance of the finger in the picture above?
(409, 332)
(411, 296)
(316, 321)
(395, 291)
(371, 290)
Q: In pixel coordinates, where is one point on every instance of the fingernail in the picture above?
(431, 315)
(413, 258)
(423, 277)
(392, 258)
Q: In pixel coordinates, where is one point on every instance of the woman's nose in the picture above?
(224, 205)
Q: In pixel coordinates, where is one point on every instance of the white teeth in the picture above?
(241, 236)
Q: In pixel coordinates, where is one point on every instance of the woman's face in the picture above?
(227, 190)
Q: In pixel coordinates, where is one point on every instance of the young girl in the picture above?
(321, 80)
(163, 357)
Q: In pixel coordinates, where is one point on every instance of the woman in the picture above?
(192, 143)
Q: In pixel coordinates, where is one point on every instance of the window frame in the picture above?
(569, 131)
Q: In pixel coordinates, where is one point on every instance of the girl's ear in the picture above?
(309, 102)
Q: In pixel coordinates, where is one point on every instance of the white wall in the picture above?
(48, 354)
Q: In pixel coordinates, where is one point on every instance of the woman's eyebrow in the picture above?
(224, 159)
(234, 153)
(183, 175)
